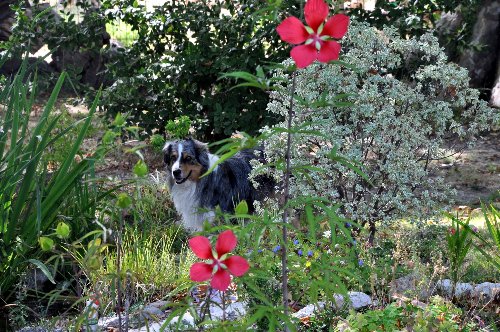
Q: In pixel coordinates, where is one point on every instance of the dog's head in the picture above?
(186, 160)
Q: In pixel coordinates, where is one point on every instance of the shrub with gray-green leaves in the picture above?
(402, 102)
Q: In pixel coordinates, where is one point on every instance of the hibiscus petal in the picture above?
(237, 265)
(329, 51)
(201, 247)
(336, 26)
(304, 55)
(225, 243)
(292, 31)
(315, 11)
(221, 280)
(200, 272)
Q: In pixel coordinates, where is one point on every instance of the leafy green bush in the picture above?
(157, 142)
(30, 194)
(438, 315)
(178, 127)
(182, 49)
(391, 109)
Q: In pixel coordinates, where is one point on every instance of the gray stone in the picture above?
(463, 289)
(487, 291)
(359, 300)
(448, 24)
(176, 324)
(150, 314)
(445, 286)
(159, 304)
(338, 301)
(309, 310)
(35, 279)
(409, 286)
(234, 311)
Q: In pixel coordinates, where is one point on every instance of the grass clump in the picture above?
(150, 265)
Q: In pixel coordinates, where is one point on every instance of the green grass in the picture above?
(478, 270)
(427, 242)
(149, 259)
(30, 193)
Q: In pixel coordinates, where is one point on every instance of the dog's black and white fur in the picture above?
(195, 197)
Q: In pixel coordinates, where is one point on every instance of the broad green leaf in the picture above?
(42, 268)
(241, 208)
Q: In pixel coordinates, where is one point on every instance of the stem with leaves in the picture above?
(284, 270)
(118, 270)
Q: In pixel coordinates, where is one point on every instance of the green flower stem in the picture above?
(284, 271)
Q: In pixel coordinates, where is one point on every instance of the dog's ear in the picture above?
(200, 147)
(167, 151)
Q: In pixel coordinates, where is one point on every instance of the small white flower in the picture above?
(327, 234)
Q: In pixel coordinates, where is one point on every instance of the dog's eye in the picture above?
(188, 159)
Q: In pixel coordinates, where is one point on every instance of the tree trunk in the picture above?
(486, 33)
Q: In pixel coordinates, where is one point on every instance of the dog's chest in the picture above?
(187, 204)
(184, 197)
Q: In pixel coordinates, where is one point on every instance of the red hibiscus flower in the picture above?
(218, 266)
(318, 37)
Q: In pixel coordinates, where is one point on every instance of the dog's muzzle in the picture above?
(182, 180)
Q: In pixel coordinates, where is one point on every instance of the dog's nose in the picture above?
(177, 172)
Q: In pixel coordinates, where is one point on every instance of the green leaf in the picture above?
(119, 120)
(46, 243)
(42, 268)
(241, 208)
(140, 168)
(108, 137)
(240, 75)
(123, 201)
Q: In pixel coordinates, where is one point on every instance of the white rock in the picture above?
(309, 310)
(339, 301)
(233, 311)
(463, 289)
(359, 300)
(487, 290)
(444, 286)
(187, 322)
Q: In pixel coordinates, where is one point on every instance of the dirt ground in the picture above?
(475, 172)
